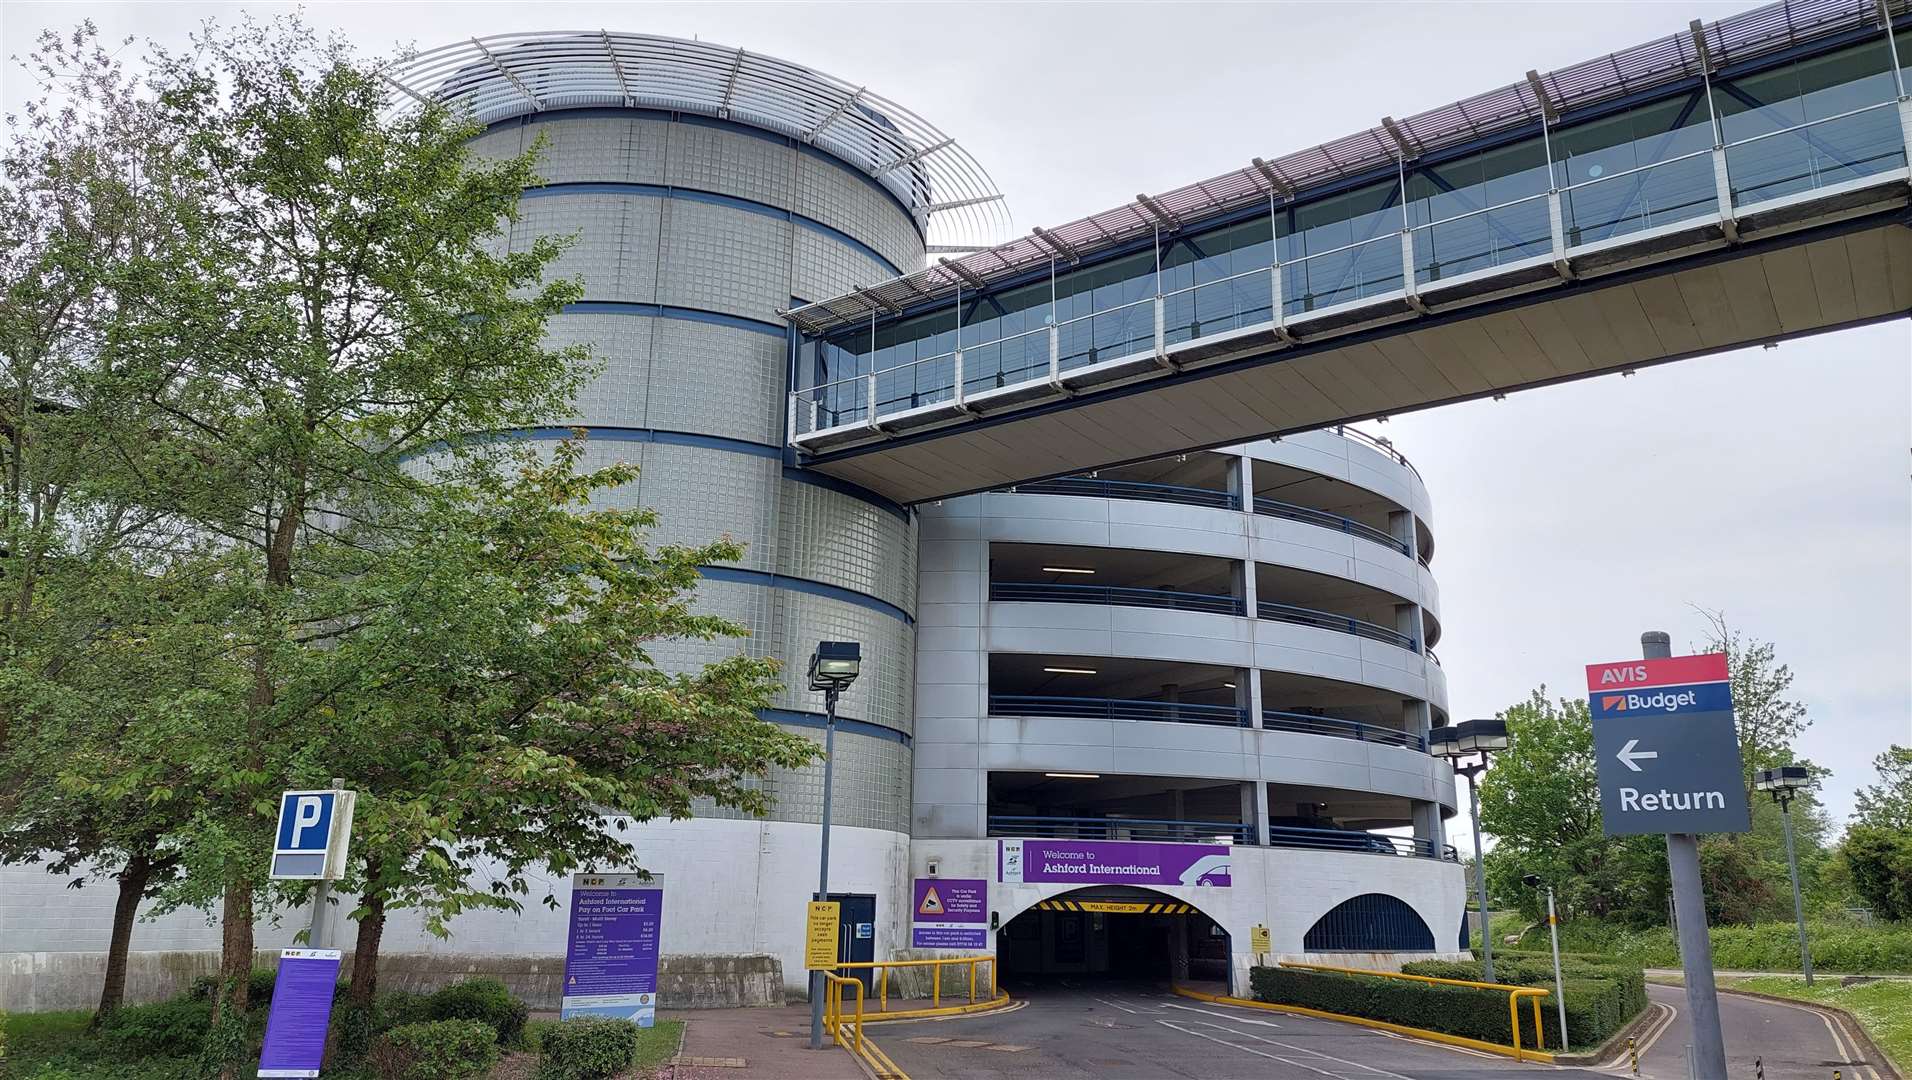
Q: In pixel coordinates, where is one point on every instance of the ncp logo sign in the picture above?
(315, 828)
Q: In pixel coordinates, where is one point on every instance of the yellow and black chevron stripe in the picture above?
(1116, 907)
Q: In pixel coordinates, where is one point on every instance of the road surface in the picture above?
(1791, 1042)
(1118, 1032)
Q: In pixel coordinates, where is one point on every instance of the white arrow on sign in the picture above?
(1628, 755)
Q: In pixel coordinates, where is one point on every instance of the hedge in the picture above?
(1596, 1006)
(586, 1048)
(440, 1050)
(175, 1027)
(482, 999)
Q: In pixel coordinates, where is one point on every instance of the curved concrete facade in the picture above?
(690, 235)
(1010, 613)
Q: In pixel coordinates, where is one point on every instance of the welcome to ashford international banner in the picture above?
(1111, 862)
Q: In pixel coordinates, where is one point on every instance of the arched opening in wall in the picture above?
(1112, 933)
(1371, 922)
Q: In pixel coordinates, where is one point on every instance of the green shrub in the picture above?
(482, 999)
(587, 1048)
(258, 986)
(356, 1027)
(1837, 945)
(1596, 1006)
(175, 1028)
(439, 1050)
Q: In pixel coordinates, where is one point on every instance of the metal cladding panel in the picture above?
(870, 788)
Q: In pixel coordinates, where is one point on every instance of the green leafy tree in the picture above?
(497, 705)
(82, 560)
(1541, 801)
(1877, 850)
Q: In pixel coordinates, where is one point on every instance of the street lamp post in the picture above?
(1455, 743)
(1783, 785)
(1532, 881)
(833, 667)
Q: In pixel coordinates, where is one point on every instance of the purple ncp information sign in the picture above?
(610, 959)
(951, 913)
(301, 1009)
(1112, 862)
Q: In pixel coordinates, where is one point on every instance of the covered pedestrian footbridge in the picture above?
(1737, 182)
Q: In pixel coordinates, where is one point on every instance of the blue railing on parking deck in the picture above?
(1352, 840)
(1086, 828)
(1328, 620)
(1092, 708)
(1276, 508)
(1126, 596)
(1341, 729)
(1182, 494)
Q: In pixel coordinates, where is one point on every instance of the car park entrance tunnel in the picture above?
(1112, 933)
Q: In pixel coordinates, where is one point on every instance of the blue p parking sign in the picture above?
(314, 829)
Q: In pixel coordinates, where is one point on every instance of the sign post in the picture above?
(611, 948)
(820, 935)
(313, 838)
(951, 913)
(1668, 761)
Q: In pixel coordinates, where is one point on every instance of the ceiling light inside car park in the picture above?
(1073, 775)
(1070, 670)
(1067, 570)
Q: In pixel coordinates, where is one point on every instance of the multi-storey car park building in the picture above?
(1122, 643)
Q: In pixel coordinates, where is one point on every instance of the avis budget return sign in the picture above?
(1667, 749)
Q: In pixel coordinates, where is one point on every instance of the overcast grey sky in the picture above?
(1771, 484)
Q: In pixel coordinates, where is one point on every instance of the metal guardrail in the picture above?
(1296, 836)
(1083, 828)
(1122, 595)
(936, 966)
(1181, 494)
(1311, 516)
(1093, 708)
(835, 1020)
(1276, 720)
(1328, 620)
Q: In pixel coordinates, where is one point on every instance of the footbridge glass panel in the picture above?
(1814, 120)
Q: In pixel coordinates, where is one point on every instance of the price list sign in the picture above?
(610, 957)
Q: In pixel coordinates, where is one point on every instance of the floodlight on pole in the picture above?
(833, 667)
(1784, 784)
(1466, 740)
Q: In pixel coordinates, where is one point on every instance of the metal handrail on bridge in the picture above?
(1276, 720)
(1093, 708)
(1514, 994)
(1120, 595)
(1094, 828)
(1328, 620)
(1715, 185)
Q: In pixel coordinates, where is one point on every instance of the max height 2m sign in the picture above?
(1667, 750)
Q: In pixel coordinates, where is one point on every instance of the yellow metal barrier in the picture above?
(936, 966)
(1514, 994)
(833, 1018)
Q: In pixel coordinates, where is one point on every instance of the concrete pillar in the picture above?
(1241, 483)
(1248, 815)
(1178, 946)
(1401, 527)
(1261, 813)
(1407, 621)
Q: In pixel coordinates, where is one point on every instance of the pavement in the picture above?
(756, 1044)
(1138, 1032)
(1789, 1042)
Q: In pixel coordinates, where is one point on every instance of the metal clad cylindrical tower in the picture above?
(705, 190)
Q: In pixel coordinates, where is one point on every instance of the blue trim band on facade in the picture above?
(844, 487)
(792, 718)
(610, 433)
(667, 311)
(724, 125)
(604, 433)
(665, 191)
(805, 585)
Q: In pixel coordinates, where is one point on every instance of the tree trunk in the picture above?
(371, 930)
(132, 889)
(235, 961)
